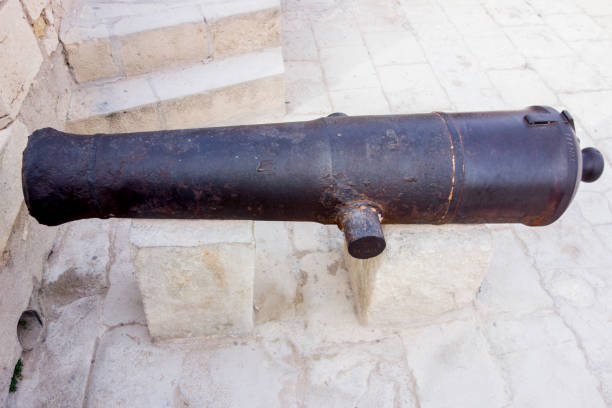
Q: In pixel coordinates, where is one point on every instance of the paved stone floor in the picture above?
(539, 331)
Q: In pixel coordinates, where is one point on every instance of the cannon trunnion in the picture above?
(357, 172)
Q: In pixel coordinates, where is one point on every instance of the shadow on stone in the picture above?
(30, 329)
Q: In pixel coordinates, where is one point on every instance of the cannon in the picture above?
(359, 172)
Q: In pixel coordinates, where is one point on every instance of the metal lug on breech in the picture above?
(360, 222)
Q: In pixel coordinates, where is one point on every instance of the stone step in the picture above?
(237, 89)
(120, 39)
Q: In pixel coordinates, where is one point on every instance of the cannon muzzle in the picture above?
(357, 172)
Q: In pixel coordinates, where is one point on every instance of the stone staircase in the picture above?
(148, 65)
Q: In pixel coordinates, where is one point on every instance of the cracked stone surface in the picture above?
(538, 333)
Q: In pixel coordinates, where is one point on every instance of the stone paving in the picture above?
(539, 331)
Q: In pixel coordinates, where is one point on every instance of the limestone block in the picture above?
(213, 93)
(153, 50)
(78, 265)
(424, 271)
(195, 277)
(247, 32)
(225, 105)
(56, 373)
(20, 56)
(91, 59)
(34, 7)
(129, 371)
(13, 140)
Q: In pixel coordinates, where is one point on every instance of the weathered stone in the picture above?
(226, 105)
(73, 270)
(21, 59)
(266, 374)
(276, 272)
(424, 271)
(452, 366)
(543, 363)
(153, 50)
(140, 119)
(204, 94)
(34, 7)
(12, 142)
(91, 59)
(244, 33)
(56, 372)
(122, 303)
(196, 290)
(512, 284)
(372, 374)
(130, 371)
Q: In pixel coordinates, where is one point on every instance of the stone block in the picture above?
(56, 372)
(91, 59)
(453, 366)
(413, 88)
(13, 140)
(195, 277)
(425, 271)
(140, 119)
(75, 270)
(222, 106)
(130, 371)
(153, 50)
(21, 59)
(248, 32)
(34, 7)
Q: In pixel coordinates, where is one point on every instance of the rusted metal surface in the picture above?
(480, 167)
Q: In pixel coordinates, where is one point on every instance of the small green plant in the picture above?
(16, 376)
(23, 324)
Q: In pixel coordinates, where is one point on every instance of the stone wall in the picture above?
(34, 91)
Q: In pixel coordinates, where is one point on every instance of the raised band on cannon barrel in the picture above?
(357, 172)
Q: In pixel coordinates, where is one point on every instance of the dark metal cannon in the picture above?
(357, 172)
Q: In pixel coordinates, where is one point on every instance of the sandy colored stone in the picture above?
(39, 26)
(153, 50)
(56, 373)
(21, 265)
(246, 32)
(75, 270)
(140, 119)
(34, 7)
(130, 371)
(91, 59)
(223, 104)
(196, 291)
(13, 140)
(424, 271)
(21, 59)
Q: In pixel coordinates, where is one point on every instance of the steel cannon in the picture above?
(357, 172)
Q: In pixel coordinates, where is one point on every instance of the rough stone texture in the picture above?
(197, 95)
(91, 59)
(147, 36)
(538, 331)
(12, 142)
(153, 50)
(196, 288)
(227, 105)
(21, 265)
(143, 375)
(34, 7)
(246, 33)
(73, 271)
(424, 271)
(452, 366)
(56, 373)
(21, 59)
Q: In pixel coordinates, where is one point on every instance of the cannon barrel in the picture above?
(357, 172)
